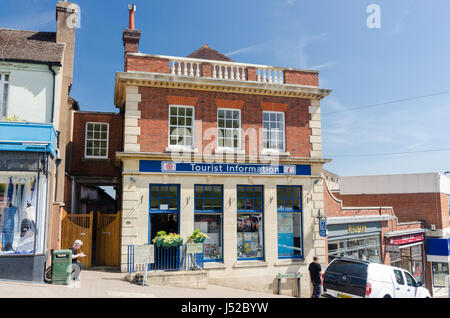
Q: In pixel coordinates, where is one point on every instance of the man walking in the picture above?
(315, 272)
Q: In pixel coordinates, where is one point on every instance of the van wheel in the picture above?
(387, 296)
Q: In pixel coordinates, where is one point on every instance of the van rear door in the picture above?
(346, 277)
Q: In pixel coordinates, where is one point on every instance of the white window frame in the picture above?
(284, 132)
(239, 147)
(3, 103)
(86, 140)
(191, 147)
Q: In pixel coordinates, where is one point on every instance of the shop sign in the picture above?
(194, 248)
(223, 168)
(407, 239)
(144, 254)
(323, 228)
(392, 248)
(353, 229)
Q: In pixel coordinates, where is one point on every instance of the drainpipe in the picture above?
(50, 67)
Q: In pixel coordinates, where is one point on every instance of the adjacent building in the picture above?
(229, 148)
(36, 71)
(413, 197)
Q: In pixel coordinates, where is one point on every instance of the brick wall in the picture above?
(154, 122)
(301, 78)
(96, 167)
(429, 207)
(335, 208)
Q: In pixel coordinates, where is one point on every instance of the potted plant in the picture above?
(197, 237)
(165, 240)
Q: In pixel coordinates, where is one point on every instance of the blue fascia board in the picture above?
(16, 136)
(438, 246)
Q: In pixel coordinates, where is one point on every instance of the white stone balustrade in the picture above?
(226, 70)
(269, 74)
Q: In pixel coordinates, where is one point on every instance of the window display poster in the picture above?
(285, 234)
(212, 246)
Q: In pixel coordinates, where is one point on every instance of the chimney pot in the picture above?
(132, 10)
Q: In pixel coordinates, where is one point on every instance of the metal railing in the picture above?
(167, 259)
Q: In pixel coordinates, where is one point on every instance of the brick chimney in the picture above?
(131, 36)
(66, 21)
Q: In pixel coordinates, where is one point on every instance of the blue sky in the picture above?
(408, 56)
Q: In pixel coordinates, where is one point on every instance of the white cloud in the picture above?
(247, 49)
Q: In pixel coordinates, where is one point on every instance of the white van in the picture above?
(352, 278)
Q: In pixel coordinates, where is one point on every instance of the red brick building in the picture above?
(229, 148)
(413, 198)
(96, 139)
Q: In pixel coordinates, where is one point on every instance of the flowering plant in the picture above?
(163, 239)
(197, 237)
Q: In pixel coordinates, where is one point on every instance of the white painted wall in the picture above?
(391, 184)
(444, 184)
(30, 91)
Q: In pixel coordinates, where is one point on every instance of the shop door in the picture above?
(108, 239)
(78, 227)
(167, 222)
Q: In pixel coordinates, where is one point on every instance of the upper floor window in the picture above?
(4, 88)
(97, 140)
(229, 128)
(181, 126)
(273, 131)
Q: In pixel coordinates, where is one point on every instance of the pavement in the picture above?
(104, 284)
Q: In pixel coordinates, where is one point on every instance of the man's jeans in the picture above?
(76, 269)
(317, 291)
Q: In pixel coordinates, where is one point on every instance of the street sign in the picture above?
(194, 248)
(144, 253)
(323, 228)
(392, 248)
(297, 275)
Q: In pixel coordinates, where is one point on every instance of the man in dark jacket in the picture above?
(315, 272)
(76, 265)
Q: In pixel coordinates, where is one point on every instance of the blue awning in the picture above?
(16, 136)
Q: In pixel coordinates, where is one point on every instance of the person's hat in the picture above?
(78, 242)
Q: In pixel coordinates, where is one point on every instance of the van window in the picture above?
(410, 280)
(348, 267)
(399, 277)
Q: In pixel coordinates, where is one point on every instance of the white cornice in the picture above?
(124, 79)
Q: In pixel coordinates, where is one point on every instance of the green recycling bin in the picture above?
(61, 267)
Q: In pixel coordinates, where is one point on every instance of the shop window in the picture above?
(229, 128)
(4, 89)
(363, 248)
(440, 273)
(273, 131)
(22, 213)
(250, 242)
(181, 126)
(164, 209)
(208, 218)
(97, 140)
(289, 216)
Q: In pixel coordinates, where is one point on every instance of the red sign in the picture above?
(406, 239)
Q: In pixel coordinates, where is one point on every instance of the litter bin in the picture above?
(61, 267)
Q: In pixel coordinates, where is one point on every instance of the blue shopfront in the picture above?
(438, 254)
(26, 151)
(210, 206)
